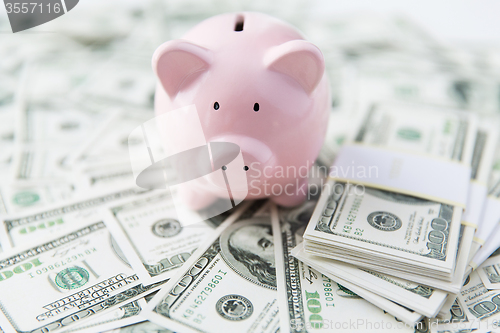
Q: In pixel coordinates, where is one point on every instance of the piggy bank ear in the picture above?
(177, 61)
(298, 59)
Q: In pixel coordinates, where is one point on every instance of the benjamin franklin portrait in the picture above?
(248, 248)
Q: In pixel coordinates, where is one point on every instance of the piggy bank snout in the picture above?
(243, 161)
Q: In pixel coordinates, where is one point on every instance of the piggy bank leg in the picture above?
(292, 197)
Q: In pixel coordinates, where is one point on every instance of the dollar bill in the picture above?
(49, 123)
(378, 83)
(51, 80)
(419, 298)
(123, 79)
(488, 228)
(479, 303)
(19, 197)
(309, 300)
(228, 283)
(490, 248)
(35, 226)
(434, 131)
(455, 320)
(494, 181)
(101, 178)
(125, 315)
(69, 279)
(483, 177)
(489, 271)
(341, 128)
(402, 313)
(341, 214)
(33, 163)
(47, 132)
(452, 287)
(110, 143)
(155, 240)
(7, 134)
(451, 299)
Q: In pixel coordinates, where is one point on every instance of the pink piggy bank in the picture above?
(256, 83)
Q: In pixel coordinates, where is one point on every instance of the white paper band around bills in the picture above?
(476, 198)
(406, 173)
(489, 219)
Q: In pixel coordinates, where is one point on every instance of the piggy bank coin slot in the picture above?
(240, 20)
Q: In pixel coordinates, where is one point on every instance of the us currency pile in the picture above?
(83, 249)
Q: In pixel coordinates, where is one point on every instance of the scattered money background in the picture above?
(68, 102)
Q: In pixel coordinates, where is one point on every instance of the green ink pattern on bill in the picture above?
(231, 283)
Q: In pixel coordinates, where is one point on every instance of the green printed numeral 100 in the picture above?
(4, 275)
(314, 306)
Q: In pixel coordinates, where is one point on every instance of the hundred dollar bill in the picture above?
(35, 226)
(489, 230)
(127, 314)
(377, 83)
(483, 153)
(229, 283)
(310, 301)
(390, 227)
(455, 320)
(50, 79)
(434, 131)
(341, 127)
(154, 239)
(47, 132)
(480, 304)
(451, 299)
(110, 143)
(7, 137)
(18, 196)
(452, 287)
(33, 163)
(489, 271)
(56, 121)
(488, 250)
(402, 313)
(123, 80)
(126, 317)
(142, 326)
(73, 277)
(482, 179)
(102, 177)
(419, 298)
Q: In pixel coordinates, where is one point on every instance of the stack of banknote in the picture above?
(404, 233)
(380, 237)
(84, 249)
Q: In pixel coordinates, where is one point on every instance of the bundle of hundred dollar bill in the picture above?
(400, 231)
(414, 249)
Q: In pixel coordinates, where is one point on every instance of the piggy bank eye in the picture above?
(256, 107)
(216, 106)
